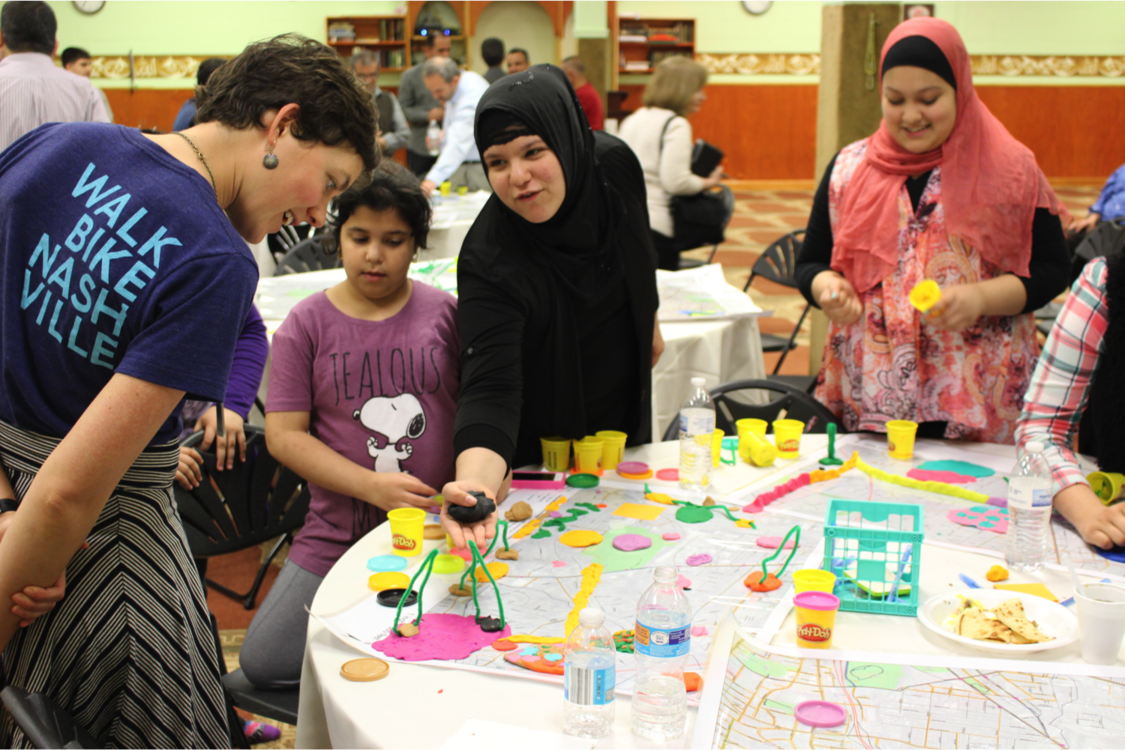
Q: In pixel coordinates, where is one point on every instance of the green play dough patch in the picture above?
(693, 514)
(541, 534)
(959, 467)
(614, 560)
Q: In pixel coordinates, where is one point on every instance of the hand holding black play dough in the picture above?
(482, 510)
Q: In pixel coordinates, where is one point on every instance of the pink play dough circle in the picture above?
(441, 636)
(631, 542)
(772, 542)
(668, 475)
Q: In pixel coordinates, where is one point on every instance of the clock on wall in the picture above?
(756, 7)
(89, 7)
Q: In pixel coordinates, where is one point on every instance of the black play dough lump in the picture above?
(482, 510)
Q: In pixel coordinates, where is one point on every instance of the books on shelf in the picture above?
(636, 65)
(634, 38)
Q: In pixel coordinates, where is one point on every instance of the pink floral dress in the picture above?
(892, 365)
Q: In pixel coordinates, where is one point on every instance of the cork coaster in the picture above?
(433, 531)
(365, 670)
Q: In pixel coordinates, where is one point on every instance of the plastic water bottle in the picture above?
(662, 642)
(1029, 510)
(697, 427)
(590, 666)
(433, 138)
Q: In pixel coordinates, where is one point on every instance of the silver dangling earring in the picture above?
(269, 161)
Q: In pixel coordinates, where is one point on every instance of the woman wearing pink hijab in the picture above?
(941, 191)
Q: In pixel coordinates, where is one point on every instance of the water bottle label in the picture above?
(697, 422)
(1023, 497)
(589, 687)
(662, 642)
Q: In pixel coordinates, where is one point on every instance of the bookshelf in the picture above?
(643, 42)
(386, 35)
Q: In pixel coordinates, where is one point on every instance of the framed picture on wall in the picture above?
(917, 10)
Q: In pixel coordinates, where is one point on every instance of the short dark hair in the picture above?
(291, 69)
(428, 39)
(73, 54)
(492, 51)
(574, 62)
(206, 68)
(390, 187)
(523, 52)
(28, 27)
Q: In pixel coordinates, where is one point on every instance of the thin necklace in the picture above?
(200, 155)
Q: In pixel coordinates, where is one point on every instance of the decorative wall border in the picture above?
(1012, 66)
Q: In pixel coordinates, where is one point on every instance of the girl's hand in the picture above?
(235, 436)
(1104, 527)
(839, 300)
(457, 493)
(960, 307)
(390, 491)
(190, 471)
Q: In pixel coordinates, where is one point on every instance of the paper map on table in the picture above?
(811, 502)
(539, 590)
(701, 294)
(903, 701)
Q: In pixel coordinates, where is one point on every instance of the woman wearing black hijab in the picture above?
(556, 290)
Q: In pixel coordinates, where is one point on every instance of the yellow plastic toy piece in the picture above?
(591, 574)
(925, 295)
(997, 573)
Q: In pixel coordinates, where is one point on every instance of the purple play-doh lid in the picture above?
(817, 600)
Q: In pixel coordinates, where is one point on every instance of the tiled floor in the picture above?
(762, 214)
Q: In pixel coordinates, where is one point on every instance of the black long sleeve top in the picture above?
(1049, 267)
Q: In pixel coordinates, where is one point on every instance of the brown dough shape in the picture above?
(507, 554)
(457, 590)
(708, 502)
(407, 629)
(521, 511)
(433, 531)
(754, 582)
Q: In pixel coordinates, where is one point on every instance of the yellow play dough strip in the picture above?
(533, 524)
(591, 574)
(534, 639)
(940, 488)
(823, 475)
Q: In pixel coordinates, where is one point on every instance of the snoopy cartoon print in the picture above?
(395, 422)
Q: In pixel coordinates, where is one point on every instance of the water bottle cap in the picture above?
(699, 381)
(1034, 446)
(591, 617)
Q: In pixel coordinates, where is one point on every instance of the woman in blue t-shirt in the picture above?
(124, 280)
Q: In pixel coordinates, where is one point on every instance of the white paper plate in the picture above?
(1052, 618)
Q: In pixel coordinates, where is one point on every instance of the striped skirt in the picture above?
(129, 651)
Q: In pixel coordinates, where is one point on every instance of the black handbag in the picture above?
(1105, 239)
(698, 219)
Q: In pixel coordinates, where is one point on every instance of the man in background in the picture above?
(33, 90)
(460, 91)
(492, 52)
(79, 62)
(420, 107)
(394, 133)
(185, 118)
(518, 61)
(588, 97)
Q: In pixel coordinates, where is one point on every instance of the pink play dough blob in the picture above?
(772, 542)
(699, 630)
(700, 559)
(949, 477)
(631, 542)
(440, 636)
(671, 536)
(682, 582)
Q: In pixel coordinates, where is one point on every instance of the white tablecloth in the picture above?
(421, 706)
(453, 216)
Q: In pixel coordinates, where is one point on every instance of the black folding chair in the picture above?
(313, 254)
(794, 402)
(778, 264)
(234, 509)
(45, 724)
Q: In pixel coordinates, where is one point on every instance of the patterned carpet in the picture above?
(763, 213)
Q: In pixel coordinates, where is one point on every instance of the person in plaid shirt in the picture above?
(1060, 390)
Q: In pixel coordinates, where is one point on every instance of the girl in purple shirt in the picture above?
(362, 397)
